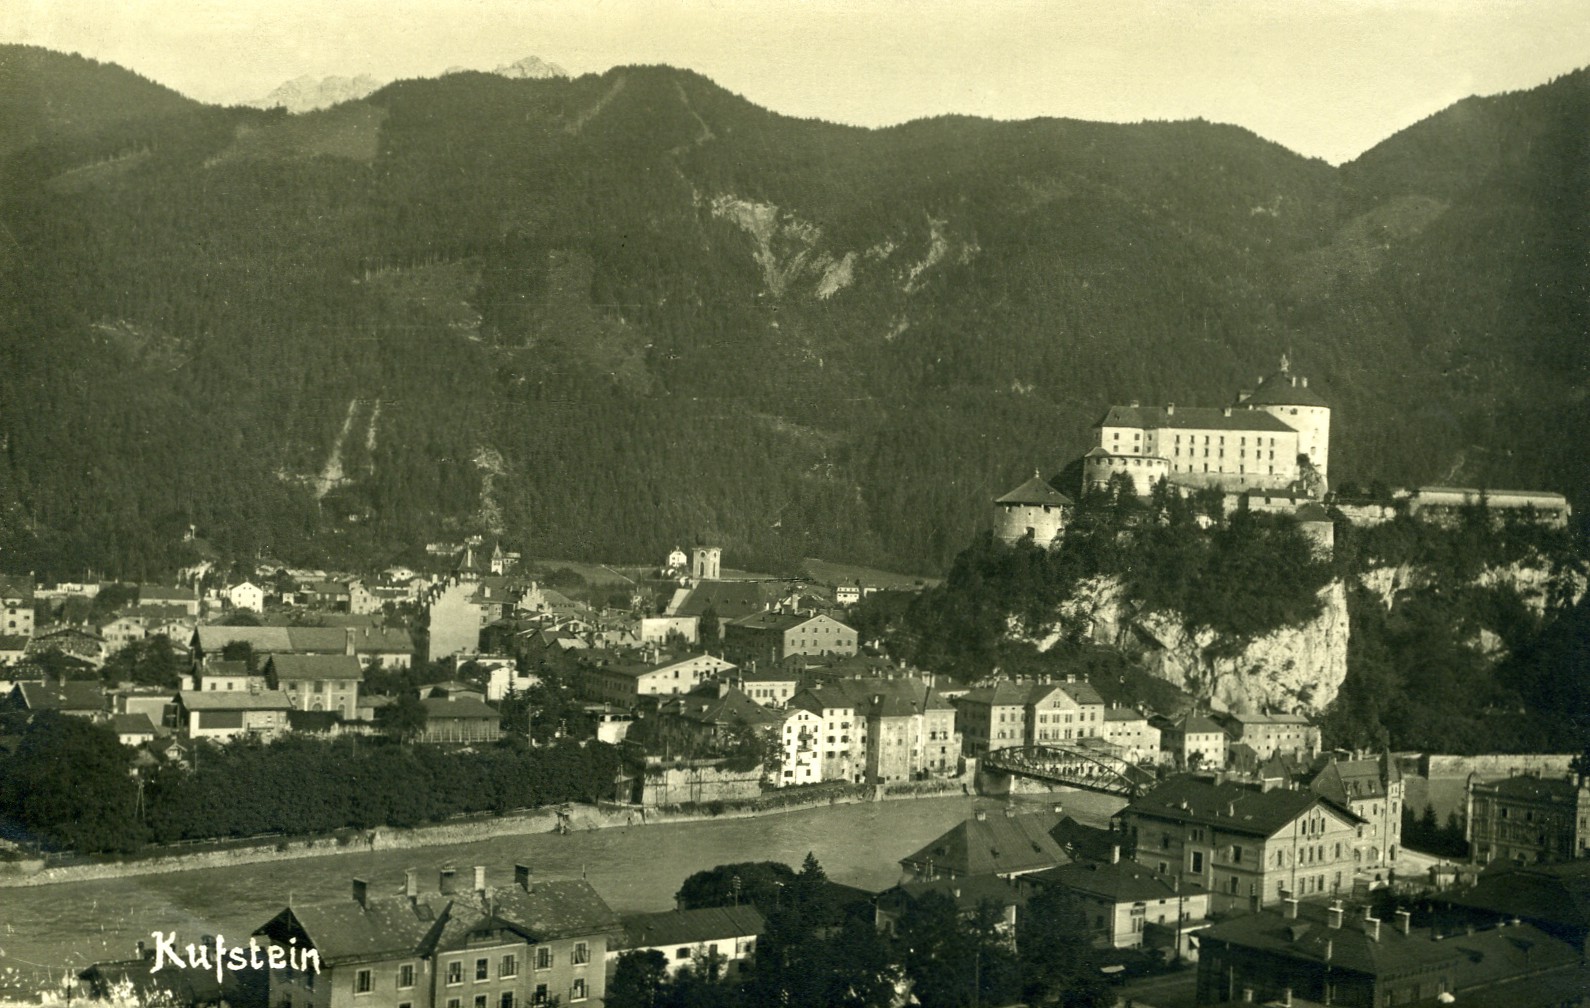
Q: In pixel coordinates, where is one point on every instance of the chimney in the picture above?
(1334, 919)
(347, 646)
(480, 879)
(1225, 411)
(521, 877)
(1291, 907)
(1010, 813)
(1170, 409)
(1136, 403)
(1059, 809)
(1330, 949)
(361, 892)
(444, 882)
(1404, 921)
(1294, 381)
(1305, 383)
(411, 884)
(981, 815)
(1372, 927)
(1115, 853)
(1231, 810)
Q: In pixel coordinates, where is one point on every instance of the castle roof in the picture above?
(1194, 418)
(1035, 491)
(1284, 389)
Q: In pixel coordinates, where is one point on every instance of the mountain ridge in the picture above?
(789, 336)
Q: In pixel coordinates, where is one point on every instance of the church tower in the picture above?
(704, 563)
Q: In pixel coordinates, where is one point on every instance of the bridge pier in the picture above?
(993, 782)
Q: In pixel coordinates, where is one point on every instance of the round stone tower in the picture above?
(1287, 397)
(1035, 508)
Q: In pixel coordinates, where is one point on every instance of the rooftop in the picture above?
(1193, 418)
(1229, 807)
(692, 927)
(993, 843)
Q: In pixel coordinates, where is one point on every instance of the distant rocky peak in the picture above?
(530, 67)
(305, 94)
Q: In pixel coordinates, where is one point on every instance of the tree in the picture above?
(240, 617)
(761, 883)
(1058, 962)
(640, 979)
(403, 718)
(68, 783)
(243, 651)
(708, 629)
(152, 661)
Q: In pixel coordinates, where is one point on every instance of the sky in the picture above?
(1325, 78)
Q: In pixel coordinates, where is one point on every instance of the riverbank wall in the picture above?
(572, 818)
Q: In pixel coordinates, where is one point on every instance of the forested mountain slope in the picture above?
(604, 315)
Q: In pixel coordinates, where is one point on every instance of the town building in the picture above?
(1554, 897)
(1035, 510)
(502, 946)
(1373, 790)
(459, 718)
(1123, 901)
(1129, 730)
(16, 606)
(317, 682)
(721, 938)
(1272, 734)
(772, 637)
(170, 595)
(247, 595)
(1528, 819)
(76, 697)
(1244, 846)
(225, 716)
(1060, 712)
(709, 720)
(771, 687)
(992, 717)
(623, 683)
(1334, 955)
(874, 731)
(1192, 741)
(971, 895)
(1005, 843)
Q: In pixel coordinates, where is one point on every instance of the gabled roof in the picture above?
(1081, 693)
(1117, 882)
(294, 667)
(1556, 895)
(999, 843)
(780, 622)
(1343, 781)
(1003, 693)
(16, 587)
(438, 709)
(1194, 418)
(728, 706)
(132, 724)
(1230, 807)
(234, 700)
(968, 892)
(1284, 389)
(729, 599)
(692, 927)
(72, 695)
(1035, 491)
(1486, 956)
(1528, 787)
(151, 593)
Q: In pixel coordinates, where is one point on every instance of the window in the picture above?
(362, 982)
(540, 995)
(1236, 854)
(577, 992)
(480, 1001)
(406, 975)
(582, 953)
(509, 966)
(455, 972)
(507, 1000)
(454, 1003)
(1197, 861)
(683, 952)
(543, 958)
(482, 969)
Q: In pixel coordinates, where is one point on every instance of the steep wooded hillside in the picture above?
(604, 315)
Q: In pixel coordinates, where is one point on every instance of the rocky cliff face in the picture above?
(1298, 668)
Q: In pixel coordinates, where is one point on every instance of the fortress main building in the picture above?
(1275, 439)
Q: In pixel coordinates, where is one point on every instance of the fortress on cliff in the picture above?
(1267, 451)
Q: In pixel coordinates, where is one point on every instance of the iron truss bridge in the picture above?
(1077, 766)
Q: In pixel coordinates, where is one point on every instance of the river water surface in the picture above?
(635, 869)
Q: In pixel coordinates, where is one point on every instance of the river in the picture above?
(635, 869)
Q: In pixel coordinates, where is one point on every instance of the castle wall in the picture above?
(1046, 521)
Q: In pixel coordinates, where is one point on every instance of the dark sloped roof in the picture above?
(128, 724)
(1483, 957)
(294, 667)
(1531, 788)
(195, 700)
(707, 707)
(1003, 693)
(1554, 895)
(73, 694)
(437, 709)
(1229, 807)
(1194, 418)
(1350, 780)
(729, 599)
(692, 927)
(968, 892)
(1284, 389)
(1035, 491)
(1117, 882)
(1083, 842)
(1000, 843)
